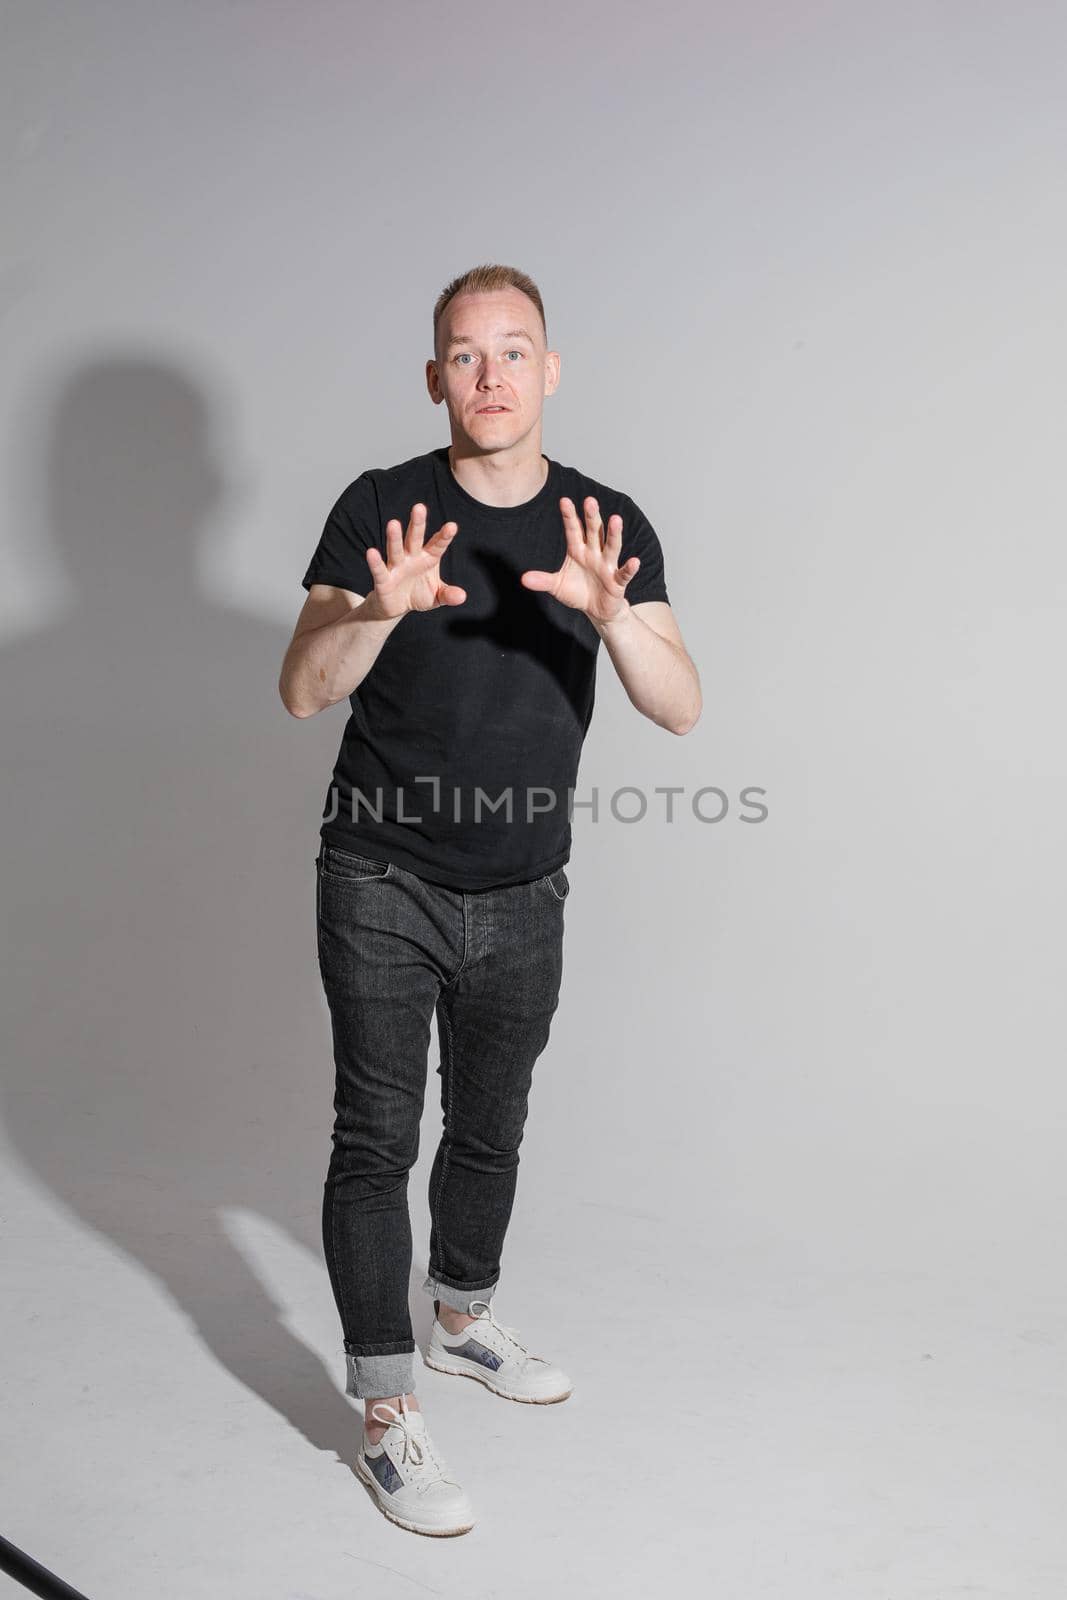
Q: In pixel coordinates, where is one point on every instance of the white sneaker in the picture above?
(409, 1479)
(493, 1354)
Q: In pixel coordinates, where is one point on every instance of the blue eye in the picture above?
(465, 355)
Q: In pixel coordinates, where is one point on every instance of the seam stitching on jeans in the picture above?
(448, 1123)
(466, 942)
(331, 1200)
(333, 1242)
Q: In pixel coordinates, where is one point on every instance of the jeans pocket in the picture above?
(558, 883)
(344, 864)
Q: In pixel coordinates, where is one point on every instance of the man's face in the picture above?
(492, 368)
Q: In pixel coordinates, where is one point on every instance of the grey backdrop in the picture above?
(791, 1195)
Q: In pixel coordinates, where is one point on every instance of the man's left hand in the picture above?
(590, 578)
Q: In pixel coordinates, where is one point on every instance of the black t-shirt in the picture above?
(460, 758)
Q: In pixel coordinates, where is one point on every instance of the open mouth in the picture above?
(490, 411)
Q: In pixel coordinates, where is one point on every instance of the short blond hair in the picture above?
(483, 280)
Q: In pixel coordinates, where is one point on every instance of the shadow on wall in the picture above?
(168, 1051)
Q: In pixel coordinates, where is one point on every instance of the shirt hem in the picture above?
(407, 862)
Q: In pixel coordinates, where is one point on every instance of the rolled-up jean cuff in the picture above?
(458, 1299)
(372, 1377)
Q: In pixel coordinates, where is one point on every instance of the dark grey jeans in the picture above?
(394, 950)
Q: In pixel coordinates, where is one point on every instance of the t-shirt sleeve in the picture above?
(353, 525)
(639, 539)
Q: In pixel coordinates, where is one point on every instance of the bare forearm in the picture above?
(327, 664)
(658, 676)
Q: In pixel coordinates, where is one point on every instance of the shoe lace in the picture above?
(510, 1333)
(416, 1448)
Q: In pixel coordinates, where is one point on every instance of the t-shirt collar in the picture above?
(450, 488)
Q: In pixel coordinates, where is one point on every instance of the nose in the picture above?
(491, 377)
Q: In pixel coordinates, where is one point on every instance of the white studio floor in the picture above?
(761, 1430)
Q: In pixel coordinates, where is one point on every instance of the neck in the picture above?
(498, 479)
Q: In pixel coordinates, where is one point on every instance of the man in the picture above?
(469, 659)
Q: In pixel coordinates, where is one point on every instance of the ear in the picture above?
(551, 371)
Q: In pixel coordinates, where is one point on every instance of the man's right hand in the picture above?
(410, 578)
